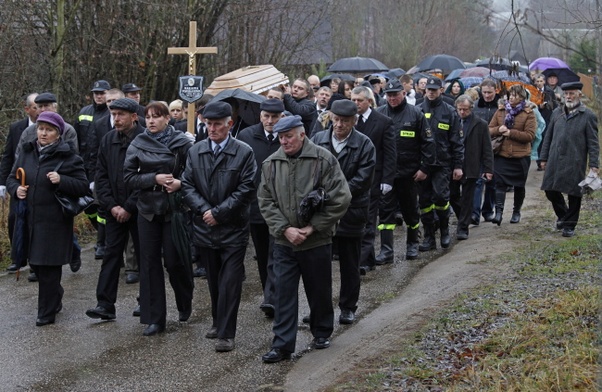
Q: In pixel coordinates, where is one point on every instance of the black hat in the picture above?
(127, 104)
(101, 85)
(434, 83)
(392, 86)
(217, 109)
(45, 98)
(571, 86)
(272, 105)
(373, 79)
(344, 107)
(285, 124)
(130, 88)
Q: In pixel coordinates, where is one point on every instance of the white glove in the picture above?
(3, 191)
(190, 136)
(385, 188)
(92, 186)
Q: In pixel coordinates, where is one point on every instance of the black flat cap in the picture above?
(217, 109)
(127, 104)
(571, 86)
(344, 107)
(130, 88)
(433, 83)
(272, 105)
(285, 124)
(392, 86)
(45, 98)
(101, 85)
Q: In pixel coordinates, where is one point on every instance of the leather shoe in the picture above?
(321, 343)
(559, 225)
(199, 272)
(462, 235)
(41, 322)
(32, 277)
(99, 252)
(515, 217)
(224, 345)
(567, 232)
(75, 265)
(305, 320)
(153, 329)
(132, 277)
(12, 268)
(384, 261)
(364, 269)
(268, 310)
(136, 312)
(488, 217)
(346, 317)
(100, 313)
(185, 315)
(212, 333)
(474, 221)
(275, 355)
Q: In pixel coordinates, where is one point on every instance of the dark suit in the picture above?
(379, 128)
(183, 126)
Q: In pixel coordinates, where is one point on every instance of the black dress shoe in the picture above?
(199, 272)
(488, 217)
(212, 333)
(321, 343)
(99, 252)
(305, 319)
(32, 277)
(275, 355)
(41, 322)
(474, 222)
(268, 310)
(153, 329)
(132, 277)
(136, 312)
(559, 225)
(224, 345)
(462, 235)
(346, 317)
(568, 232)
(75, 265)
(12, 268)
(100, 313)
(515, 217)
(185, 315)
(364, 269)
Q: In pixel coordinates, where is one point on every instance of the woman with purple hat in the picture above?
(50, 165)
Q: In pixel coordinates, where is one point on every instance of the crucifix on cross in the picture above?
(191, 51)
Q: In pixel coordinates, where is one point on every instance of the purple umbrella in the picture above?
(543, 63)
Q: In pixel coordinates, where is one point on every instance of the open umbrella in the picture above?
(479, 72)
(444, 62)
(564, 75)
(495, 62)
(245, 102)
(471, 81)
(19, 247)
(357, 65)
(325, 81)
(395, 73)
(455, 74)
(543, 63)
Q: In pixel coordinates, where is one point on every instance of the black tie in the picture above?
(360, 122)
(216, 150)
(270, 137)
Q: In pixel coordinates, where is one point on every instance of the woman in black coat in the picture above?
(50, 231)
(153, 164)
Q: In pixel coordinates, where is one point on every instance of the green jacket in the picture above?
(285, 181)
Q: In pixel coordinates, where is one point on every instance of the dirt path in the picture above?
(466, 265)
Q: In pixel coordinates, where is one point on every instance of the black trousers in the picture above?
(50, 291)
(263, 243)
(349, 256)
(314, 266)
(568, 215)
(116, 240)
(155, 240)
(367, 253)
(225, 271)
(462, 199)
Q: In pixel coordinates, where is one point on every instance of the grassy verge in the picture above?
(536, 330)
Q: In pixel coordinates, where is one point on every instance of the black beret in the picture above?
(45, 98)
(344, 107)
(130, 88)
(127, 104)
(392, 86)
(571, 86)
(285, 124)
(101, 85)
(272, 105)
(217, 109)
(433, 83)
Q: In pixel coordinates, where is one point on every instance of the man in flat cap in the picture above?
(117, 201)
(571, 142)
(302, 242)
(263, 142)
(357, 157)
(218, 186)
(132, 90)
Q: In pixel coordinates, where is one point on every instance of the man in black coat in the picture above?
(478, 163)
(357, 158)
(264, 143)
(379, 128)
(8, 158)
(297, 102)
(117, 201)
(218, 186)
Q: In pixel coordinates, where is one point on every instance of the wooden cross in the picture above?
(192, 50)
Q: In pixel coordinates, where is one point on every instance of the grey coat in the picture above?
(569, 142)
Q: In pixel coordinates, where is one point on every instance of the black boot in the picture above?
(444, 227)
(412, 243)
(386, 248)
(519, 198)
(429, 242)
(500, 200)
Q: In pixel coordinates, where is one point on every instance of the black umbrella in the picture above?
(357, 65)
(19, 244)
(564, 75)
(497, 63)
(395, 73)
(248, 103)
(325, 81)
(444, 62)
(180, 231)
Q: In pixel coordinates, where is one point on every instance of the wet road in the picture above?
(80, 354)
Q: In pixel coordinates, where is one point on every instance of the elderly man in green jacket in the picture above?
(303, 243)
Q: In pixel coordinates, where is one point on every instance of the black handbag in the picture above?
(314, 201)
(72, 205)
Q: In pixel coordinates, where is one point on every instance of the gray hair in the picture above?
(367, 92)
(465, 98)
